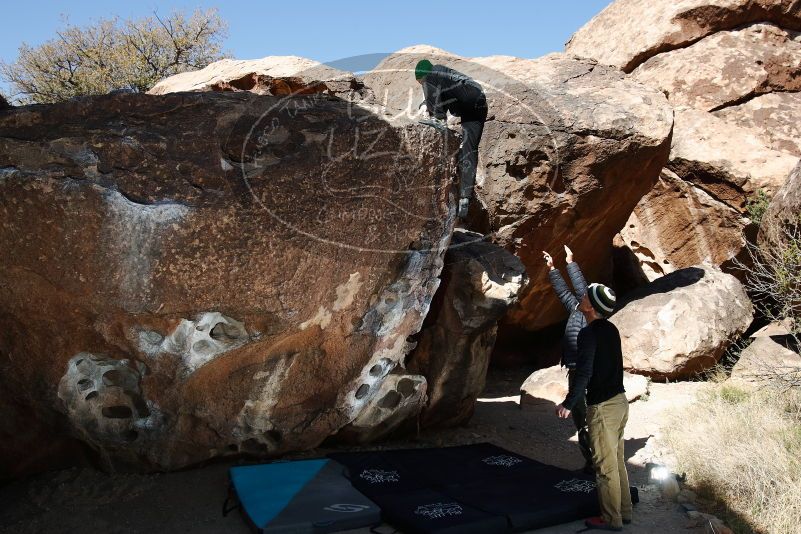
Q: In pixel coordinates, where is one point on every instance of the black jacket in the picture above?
(576, 321)
(448, 90)
(599, 371)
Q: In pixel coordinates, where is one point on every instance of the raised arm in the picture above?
(585, 360)
(577, 279)
(566, 296)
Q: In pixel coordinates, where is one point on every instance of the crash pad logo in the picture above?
(346, 508)
(502, 460)
(439, 510)
(575, 485)
(378, 476)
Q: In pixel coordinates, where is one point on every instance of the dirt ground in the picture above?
(85, 500)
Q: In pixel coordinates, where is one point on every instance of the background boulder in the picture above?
(569, 148)
(765, 360)
(196, 275)
(629, 32)
(732, 69)
(783, 215)
(271, 75)
(682, 323)
(550, 385)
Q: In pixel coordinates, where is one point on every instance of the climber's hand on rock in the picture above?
(562, 412)
(548, 259)
(569, 254)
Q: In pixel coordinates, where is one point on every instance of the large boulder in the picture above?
(677, 225)
(271, 75)
(479, 283)
(728, 162)
(766, 361)
(774, 116)
(569, 149)
(193, 275)
(697, 212)
(727, 68)
(550, 385)
(682, 323)
(4, 103)
(628, 32)
(782, 220)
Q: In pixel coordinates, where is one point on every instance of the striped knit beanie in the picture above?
(602, 299)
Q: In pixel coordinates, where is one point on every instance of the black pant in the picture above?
(579, 413)
(473, 112)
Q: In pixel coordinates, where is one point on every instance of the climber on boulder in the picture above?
(447, 90)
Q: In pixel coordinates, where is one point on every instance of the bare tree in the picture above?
(773, 280)
(108, 55)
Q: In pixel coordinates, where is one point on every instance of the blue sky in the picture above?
(328, 31)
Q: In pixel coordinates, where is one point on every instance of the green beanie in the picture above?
(423, 67)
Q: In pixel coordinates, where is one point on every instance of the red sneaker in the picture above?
(598, 523)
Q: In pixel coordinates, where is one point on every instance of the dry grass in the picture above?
(743, 448)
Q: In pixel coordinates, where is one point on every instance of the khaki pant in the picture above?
(606, 422)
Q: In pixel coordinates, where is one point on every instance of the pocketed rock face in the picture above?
(271, 75)
(196, 275)
(629, 32)
(568, 150)
(697, 211)
(682, 323)
(480, 281)
(677, 225)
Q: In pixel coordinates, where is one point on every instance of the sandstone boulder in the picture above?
(696, 212)
(774, 116)
(628, 32)
(194, 275)
(271, 75)
(682, 323)
(764, 360)
(677, 225)
(550, 385)
(782, 220)
(479, 283)
(727, 68)
(569, 149)
(730, 163)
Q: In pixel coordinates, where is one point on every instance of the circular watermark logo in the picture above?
(374, 163)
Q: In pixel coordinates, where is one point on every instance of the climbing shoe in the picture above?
(598, 523)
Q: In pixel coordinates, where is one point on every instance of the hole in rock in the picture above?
(91, 395)
(376, 370)
(233, 447)
(84, 384)
(253, 445)
(390, 400)
(225, 332)
(131, 435)
(273, 435)
(112, 378)
(406, 387)
(362, 391)
(201, 346)
(117, 412)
